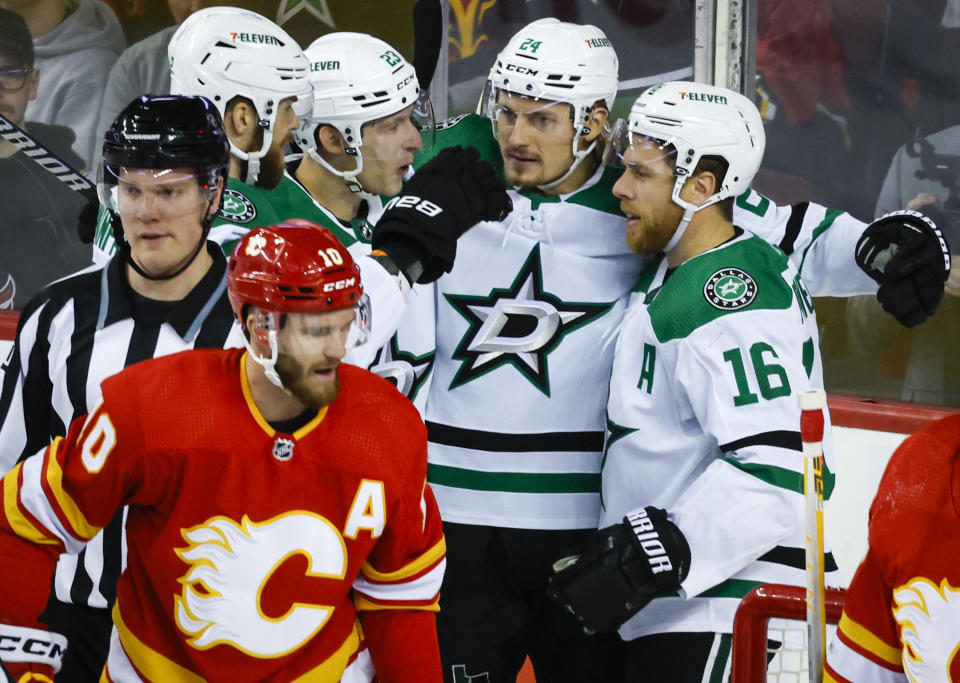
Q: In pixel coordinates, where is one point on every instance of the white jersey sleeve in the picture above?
(820, 242)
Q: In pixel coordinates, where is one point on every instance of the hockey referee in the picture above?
(164, 170)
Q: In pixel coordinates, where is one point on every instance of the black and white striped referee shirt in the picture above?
(72, 336)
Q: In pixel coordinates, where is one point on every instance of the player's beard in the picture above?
(271, 168)
(294, 377)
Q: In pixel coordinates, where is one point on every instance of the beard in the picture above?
(294, 377)
(271, 168)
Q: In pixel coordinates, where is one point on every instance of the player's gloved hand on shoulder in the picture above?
(445, 197)
(30, 654)
(87, 218)
(907, 255)
(621, 569)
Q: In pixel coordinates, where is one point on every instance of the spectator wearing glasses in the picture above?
(39, 211)
(76, 42)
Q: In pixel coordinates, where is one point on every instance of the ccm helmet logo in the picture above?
(339, 284)
(521, 69)
(411, 201)
(406, 81)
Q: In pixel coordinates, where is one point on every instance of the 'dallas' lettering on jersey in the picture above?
(729, 289)
(929, 618)
(517, 326)
(236, 208)
(329, 65)
(258, 38)
(702, 97)
(230, 565)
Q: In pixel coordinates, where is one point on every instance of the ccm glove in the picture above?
(30, 654)
(907, 255)
(621, 569)
(445, 197)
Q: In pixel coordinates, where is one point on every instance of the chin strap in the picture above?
(578, 157)
(253, 158)
(124, 247)
(349, 177)
(688, 211)
(269, 365)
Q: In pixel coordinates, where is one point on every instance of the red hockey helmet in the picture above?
(292, 267)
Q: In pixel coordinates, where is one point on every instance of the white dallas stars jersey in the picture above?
(515, 405)
(703, 421)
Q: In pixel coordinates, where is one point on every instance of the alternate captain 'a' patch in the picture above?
(729, 289)
(236, 208)
(519, 326)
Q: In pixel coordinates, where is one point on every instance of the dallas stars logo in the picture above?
(517, 326)
(406, 371)
(729, 289)
(318, 8)
(236, 207)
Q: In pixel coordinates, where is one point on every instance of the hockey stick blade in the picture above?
(46, 159)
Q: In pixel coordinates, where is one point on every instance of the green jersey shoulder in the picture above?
(293, 201)
(746, 274)
(467, 130)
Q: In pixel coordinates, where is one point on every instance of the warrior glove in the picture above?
(907, 255)
(445, 197)
(621, 569)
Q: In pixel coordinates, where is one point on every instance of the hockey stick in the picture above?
(60, 169)
(46, 159)
(812, 404)
(427, 39)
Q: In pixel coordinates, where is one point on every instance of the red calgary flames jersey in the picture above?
(249, 552)
(901, 619)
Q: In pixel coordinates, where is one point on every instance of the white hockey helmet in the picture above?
(697, 120)
(356, 78)
(225, 52)
(556, 61)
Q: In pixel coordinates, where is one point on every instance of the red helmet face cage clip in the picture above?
(293, 267)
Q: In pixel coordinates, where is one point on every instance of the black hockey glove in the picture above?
(445, 197)
(907, 255)
(87, 218)
(621, 569)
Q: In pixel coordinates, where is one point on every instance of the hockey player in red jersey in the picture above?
(901, 618)
(279, 526)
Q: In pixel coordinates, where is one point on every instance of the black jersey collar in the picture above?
(116, 296)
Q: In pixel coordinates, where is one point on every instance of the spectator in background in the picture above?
(930, 370)
(75, 43)
(39, 210)
(143, 67)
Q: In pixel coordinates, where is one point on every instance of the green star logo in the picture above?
(517, 326)
(291, 8)
(404, 370)
(729, 289)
